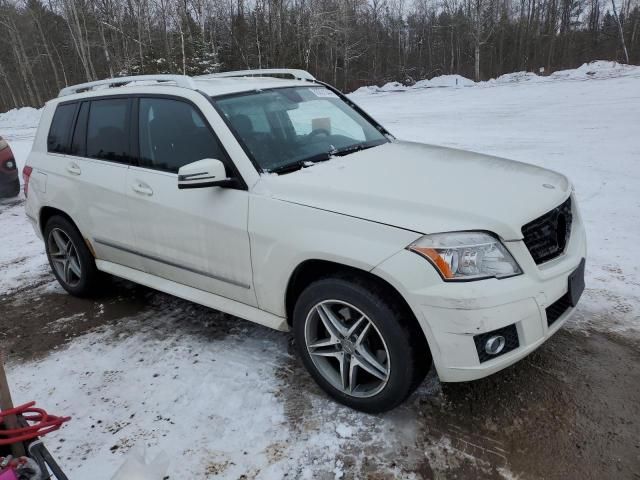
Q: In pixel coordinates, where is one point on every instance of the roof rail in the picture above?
(180, 81)
(268, 72)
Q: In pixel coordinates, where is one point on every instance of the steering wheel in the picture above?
(319, 131)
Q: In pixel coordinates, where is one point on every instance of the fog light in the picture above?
(494, 344)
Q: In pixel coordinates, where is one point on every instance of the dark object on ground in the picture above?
(9, 181)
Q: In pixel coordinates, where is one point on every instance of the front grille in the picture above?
(557, 308)
(547, 236)
(510, 335)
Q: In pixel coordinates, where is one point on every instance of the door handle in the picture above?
(73, 169)
(142, 188)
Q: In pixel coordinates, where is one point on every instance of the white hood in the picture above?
(425, 188)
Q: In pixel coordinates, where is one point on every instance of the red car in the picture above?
(9, 181)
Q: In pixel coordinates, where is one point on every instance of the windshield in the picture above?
(289, 127)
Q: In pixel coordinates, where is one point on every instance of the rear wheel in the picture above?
(356, 344)
(70, 259)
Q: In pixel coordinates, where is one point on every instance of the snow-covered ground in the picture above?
(217, 405)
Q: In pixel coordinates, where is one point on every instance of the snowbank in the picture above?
(20, 118)
(516, 77)
(597, 69)
(367, 90)
(444, 81)
(393, 87)
(451, 81)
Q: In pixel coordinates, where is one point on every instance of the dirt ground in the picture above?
(569, 410)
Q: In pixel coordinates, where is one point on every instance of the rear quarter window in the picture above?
(60, 130)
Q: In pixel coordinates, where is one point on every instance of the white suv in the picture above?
(282, 202)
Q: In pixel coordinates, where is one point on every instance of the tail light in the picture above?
(26, 175)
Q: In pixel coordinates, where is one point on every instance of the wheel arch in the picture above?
(47, 213)
(314, 269)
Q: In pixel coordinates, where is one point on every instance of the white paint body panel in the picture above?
(239, 248)
(426, 189)
(204, 230)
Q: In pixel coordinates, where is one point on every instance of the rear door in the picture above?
(98, 159)
(196, 237)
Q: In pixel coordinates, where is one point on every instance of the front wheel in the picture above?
(356, 343)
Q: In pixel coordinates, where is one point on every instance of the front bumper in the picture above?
(451, 314)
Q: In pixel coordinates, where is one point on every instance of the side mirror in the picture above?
(204, 173)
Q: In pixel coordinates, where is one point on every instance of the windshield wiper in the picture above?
(322, 157)
(298, 164)
(354, 148)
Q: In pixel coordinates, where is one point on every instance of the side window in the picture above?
(58, 138)
(108, 130)
(79, 140)
(172, 134)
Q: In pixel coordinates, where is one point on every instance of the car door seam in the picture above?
(170, 263)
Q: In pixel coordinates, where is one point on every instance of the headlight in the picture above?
(462, 256)
(3, 144)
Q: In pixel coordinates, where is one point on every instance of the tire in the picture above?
(388, 343)
(71, 261)
(11, 189)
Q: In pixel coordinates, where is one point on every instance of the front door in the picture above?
(196, 237)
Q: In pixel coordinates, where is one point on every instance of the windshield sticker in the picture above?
(323, 93)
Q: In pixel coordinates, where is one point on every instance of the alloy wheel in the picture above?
(64, 257)
(347, 348)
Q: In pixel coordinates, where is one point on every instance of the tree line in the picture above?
(48, 44)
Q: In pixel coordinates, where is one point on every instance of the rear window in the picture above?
(108, 130)
(60, 131)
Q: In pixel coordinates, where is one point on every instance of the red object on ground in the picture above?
(42, 424)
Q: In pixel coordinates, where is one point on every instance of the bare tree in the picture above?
(45, 44)
(620, 31)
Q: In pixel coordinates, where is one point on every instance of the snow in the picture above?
(516, 77)
(366, 90)
(219, 406)
(179, 383)
(393, 87)
(596, 70)
(344, 431)
(450, 81)
(22, 258)
(440, 81)
(25, 117)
